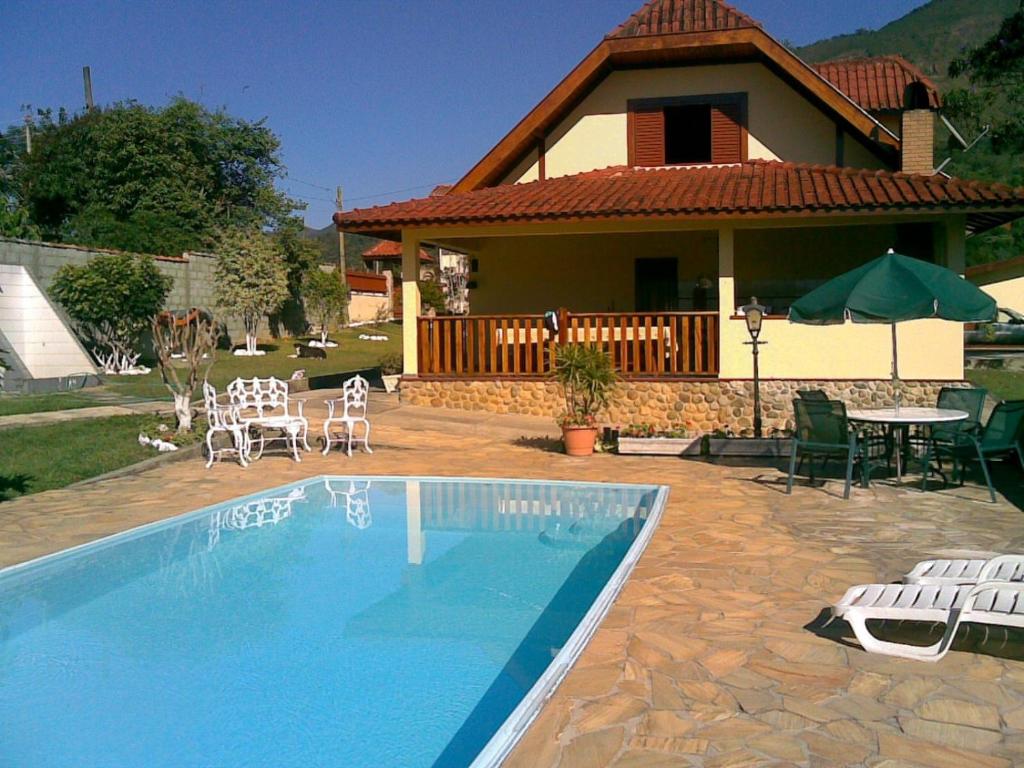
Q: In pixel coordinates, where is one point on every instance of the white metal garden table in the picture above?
(898, 417)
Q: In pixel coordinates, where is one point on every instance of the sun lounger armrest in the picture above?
(992, 566)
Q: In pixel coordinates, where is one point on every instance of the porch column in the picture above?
(410, 302)
(951, 244)
(729, 359)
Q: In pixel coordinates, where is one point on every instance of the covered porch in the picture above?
(665, 302)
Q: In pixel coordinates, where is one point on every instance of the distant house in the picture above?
(386, 256)
(689, 162)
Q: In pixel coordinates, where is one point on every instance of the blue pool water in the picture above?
(338, 622)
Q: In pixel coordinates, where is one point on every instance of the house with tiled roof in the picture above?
(690, 162)
(386, 256)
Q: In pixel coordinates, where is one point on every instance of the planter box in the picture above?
(660, 446)
(762, 448)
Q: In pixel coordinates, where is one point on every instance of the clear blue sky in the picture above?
(381, 96)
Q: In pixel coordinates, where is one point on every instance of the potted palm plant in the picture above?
(587, 379)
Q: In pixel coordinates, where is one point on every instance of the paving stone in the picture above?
(611, 710)
(670, 744)
(935, 755)
(948, 733)
(839, 752)
(908, 693)
(637, 758)
(960, 712)
(779, 746)
(596, 748)
(661, 722)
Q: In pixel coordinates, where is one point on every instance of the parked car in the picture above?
(1007, 329)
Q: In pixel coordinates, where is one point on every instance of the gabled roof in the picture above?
(880, 83)
(673, 33)
(755, 189)
(663, 17)
(387, 250)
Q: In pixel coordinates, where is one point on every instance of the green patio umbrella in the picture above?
(891, 289)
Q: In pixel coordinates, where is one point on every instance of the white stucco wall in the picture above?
(782, 124)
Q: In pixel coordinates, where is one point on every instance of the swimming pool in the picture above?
(333, 622)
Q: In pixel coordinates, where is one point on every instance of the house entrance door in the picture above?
(657, 285)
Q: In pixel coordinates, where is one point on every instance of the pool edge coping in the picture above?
(515, 726)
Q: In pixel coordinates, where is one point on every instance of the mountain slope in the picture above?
(929, 36)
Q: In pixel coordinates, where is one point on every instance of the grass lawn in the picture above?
(1003, 385)
(34, 459)
(351, 354)
(57, 401)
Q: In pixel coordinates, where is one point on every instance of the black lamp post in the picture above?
(753, 313)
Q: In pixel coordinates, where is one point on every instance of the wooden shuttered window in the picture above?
(648, 137)
(646, 128)
(726, 133)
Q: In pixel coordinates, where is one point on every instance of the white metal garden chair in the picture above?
(357, 502)
(224, 419)
(355, 393)
(263, 404)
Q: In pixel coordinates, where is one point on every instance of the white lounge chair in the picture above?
(991, 602)
(939, 572)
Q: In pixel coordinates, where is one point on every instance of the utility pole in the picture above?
(28, 134)
(87, 82)
(342, 267)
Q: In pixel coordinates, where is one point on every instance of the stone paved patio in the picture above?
(706, 658)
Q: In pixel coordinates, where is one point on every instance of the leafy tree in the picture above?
(252, 279)
(301, 255)
(111, 299)
(994, 96)
(159, 180)
(432, 296)
(325, 297)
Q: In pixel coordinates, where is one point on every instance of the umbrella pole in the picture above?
(895, 367)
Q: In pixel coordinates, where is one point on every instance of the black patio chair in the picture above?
(814, 395)
(969, 399)
(1001, 436)
(822, 430)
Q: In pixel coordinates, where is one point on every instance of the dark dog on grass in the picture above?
(303, 350)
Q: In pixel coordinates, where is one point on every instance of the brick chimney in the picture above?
(917, 133)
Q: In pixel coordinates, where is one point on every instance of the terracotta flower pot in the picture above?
(579, 441)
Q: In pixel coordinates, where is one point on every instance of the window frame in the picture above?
(737, 99)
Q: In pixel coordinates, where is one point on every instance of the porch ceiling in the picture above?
(751, 190)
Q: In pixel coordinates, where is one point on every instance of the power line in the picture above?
(308, 183)
(398, 191)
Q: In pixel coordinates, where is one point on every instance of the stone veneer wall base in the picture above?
(699, 406)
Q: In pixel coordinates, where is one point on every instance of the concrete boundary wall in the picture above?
(192, 272)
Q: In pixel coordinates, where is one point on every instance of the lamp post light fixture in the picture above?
(754, 313)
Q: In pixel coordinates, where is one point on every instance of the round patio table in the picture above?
(905, 416)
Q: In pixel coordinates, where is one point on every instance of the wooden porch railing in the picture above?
(640, 344)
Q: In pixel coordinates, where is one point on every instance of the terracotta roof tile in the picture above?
(878, 83)
(667, 17)
(753, 188)
(386, 249)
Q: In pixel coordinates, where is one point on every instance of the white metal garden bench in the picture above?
(268, 510)
(972, 571)
(998, 603)
(263, 404)
(355, 393)
(224, 419)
